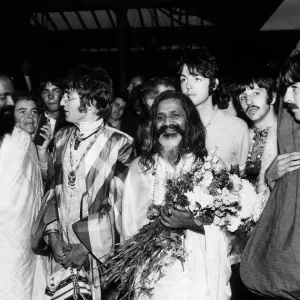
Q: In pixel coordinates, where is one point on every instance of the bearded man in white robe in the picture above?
(177, 141)
(20, 194)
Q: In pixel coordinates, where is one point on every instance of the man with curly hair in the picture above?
(199, 80)
(80, 220)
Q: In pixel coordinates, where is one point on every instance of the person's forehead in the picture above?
(190, 72)
(254, 86)
(6, 86)
(170, 105)
(120, 101)
(50, 86)
(24, 103)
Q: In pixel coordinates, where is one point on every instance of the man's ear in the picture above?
(216, 84)
(273, 99)
(91, 105)
(149, 102)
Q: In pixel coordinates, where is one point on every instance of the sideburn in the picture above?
(82, 108)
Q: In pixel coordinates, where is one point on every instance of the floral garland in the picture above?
(254, 159)
(213, 195)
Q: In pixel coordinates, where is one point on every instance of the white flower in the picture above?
(249, 198)
(237, 182)
(215, 159)
(208, 157)
(207, 179)
(206, 200)
(199, 196)
(207, 165)
(219, 221)
(234, 224)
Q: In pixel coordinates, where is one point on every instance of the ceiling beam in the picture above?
(134, 37)
(71, 5)
(141, 37)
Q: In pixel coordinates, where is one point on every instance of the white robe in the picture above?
(206, 271)
(20, 199)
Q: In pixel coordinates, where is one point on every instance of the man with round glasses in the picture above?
(81, 217)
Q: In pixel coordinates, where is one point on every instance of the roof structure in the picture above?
(140, 22)
(286, 17)
(167, 23)
(127, 31)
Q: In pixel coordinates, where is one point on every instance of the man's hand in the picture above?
(76, 257)
(176, 219)
(57, 246)
(282, 164)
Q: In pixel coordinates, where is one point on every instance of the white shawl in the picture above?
(207, 269)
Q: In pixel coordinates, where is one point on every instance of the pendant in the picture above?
(71, 180)
(77, 143)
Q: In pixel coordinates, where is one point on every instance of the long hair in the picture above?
(93, 86)
(7, 121)
(194, 135)
(290, 72)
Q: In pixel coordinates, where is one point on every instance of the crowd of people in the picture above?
(104, 157)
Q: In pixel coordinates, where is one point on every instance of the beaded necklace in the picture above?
(72, 174)
(154, 173)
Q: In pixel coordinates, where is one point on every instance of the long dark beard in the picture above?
(7, 120)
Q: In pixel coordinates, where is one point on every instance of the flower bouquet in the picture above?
(212, 194)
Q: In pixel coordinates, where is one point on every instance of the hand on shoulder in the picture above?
(282, 164)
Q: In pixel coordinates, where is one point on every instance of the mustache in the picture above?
(252, 106)
(292, 106)
(174, 127)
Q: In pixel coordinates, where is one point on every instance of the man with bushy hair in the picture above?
(80, 220)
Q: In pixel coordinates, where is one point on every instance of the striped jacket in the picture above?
(104, 187)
